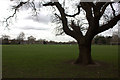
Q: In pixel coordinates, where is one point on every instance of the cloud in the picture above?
(41, 17)
(33, 28)
(31, 25)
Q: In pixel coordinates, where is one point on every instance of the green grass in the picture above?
(54, 61)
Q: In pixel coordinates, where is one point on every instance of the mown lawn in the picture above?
(54, 61)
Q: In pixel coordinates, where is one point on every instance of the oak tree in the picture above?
(94, 13)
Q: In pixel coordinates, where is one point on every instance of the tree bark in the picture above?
(84, 54)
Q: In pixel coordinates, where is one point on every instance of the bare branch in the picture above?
(53, 4)
(58, 16)
(113, 10)
(75, 13)
(19, 5)
(32, 4)
(104, 8)
(49, 4)
(15, 11)
(110, 24)
(74, 26)
(78, 7)
(64, 19)
(87, 8)
(89, 16)
(59, 30)
(6, 20)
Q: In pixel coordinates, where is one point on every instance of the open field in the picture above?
(54, 61)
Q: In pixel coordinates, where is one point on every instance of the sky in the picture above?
(40, 27)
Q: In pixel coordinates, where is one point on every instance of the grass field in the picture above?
(54, 61)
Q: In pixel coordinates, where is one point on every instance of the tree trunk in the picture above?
(84, 54)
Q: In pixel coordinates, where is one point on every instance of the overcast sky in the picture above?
(41, 27)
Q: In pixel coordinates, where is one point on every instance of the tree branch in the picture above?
(76, 28)
(19, 5)
(109, 25)
(15, 11)
(53, 4)
(6, 20)
(90, 18)
(104, 8)
(58, 16)
(113, 10)
(49, 4)
(87, 8)
(75, 13)
(64, 19)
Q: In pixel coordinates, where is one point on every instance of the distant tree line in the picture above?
(5, 39)
(102, 40)
(108, 40)
(99, 40)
